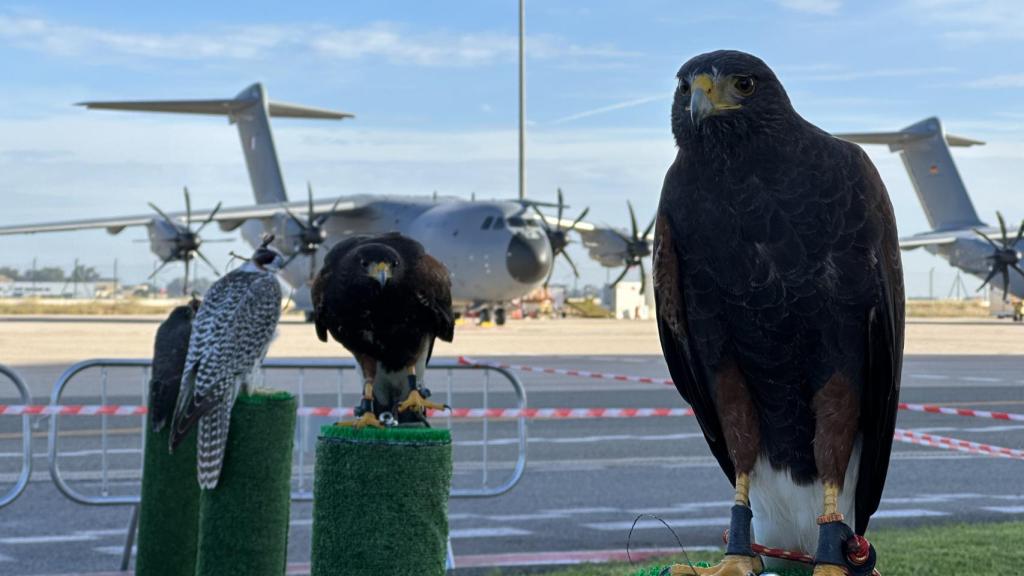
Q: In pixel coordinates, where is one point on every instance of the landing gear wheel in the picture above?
(485, 315)
(499, 316)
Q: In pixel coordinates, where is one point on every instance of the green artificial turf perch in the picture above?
(243, 522)
(169, 517)
(380, 501)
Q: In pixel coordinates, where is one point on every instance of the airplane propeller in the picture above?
(637, 248)
(186, 241)
(1004, 257)
(312, 234)
(558, 237)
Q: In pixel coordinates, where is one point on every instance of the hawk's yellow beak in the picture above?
(708, 97)
(380, 271)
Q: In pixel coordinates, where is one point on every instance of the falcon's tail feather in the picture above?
(213, 438)
(188, 410)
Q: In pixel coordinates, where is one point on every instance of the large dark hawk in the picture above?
(780, 310)
(385, 300)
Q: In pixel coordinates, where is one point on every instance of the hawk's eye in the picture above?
(363, 262)
(744, 85)
(684, 87)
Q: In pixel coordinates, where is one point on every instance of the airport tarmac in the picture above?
(587, 479)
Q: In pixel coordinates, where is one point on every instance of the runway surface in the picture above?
(585, 482)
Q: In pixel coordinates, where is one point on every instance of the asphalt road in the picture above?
(585, 482)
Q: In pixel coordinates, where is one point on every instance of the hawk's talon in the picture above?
(416, 401)
(368, 419)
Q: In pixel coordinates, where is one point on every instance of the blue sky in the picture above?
(433, 88)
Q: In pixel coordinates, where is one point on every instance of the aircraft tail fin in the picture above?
(924, 149)
(251, 111)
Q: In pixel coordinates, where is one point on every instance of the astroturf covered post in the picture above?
(169, 513)
(243, 522)
(380, 501)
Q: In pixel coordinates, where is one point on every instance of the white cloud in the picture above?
(974, 20)
(381, 40)
(999, 81)
(811, 6)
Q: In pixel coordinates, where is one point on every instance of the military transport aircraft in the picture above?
(496, 251)
(957, 234)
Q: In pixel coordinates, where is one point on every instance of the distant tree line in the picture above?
(81, 273)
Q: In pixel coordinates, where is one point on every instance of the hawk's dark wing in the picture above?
(683, 364)
(433, 290)
(884, 358)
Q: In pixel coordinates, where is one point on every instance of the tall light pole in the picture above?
(522, 100)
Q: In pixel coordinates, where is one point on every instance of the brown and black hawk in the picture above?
(385, 300)
(780, 309)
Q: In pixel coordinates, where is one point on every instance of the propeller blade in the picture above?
(213, 214)
(623, 275)
(1006, 283)
(572, 264)
(643, 277)
(158, 269)
(208, 263)
(323, 217)
(1018, 269)
(543, 221)
(188, 209)
(551, 272)
(987, 239)
(294, 217)
(1020, 233)
(584, 215)
(309, 188)
(632, 219)
(561, 207)
(161, 213)
(647, 231)
(623, 237)
(1002, 227)
(289, 260)
(991, 274)
(184, 285)
(312, 266)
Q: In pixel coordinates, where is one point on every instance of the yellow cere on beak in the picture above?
(381, 272)
(708, 97)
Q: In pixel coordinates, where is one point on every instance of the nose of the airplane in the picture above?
(528, 259)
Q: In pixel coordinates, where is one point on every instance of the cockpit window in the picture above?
(487, 223)
(499, 223)
(515, 222)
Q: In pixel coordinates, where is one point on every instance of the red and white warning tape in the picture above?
(933, 409)
(529, 413)
(946, 443)
(901, 435)
(563, 372)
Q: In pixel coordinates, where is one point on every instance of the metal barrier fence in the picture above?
(125, 482)
(303, 456)
(26, 440)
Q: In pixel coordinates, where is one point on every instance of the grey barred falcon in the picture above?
(780, 311)
(230, 337)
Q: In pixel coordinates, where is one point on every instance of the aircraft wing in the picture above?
(227, 218)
